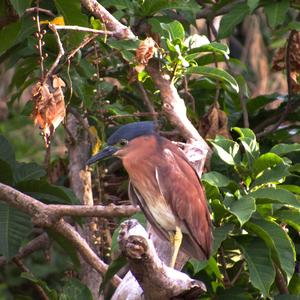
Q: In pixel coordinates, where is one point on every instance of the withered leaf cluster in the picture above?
(213, 123)
(144, 53)
(279, 61)
(49, 106)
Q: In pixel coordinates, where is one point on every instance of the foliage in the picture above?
(253, 186)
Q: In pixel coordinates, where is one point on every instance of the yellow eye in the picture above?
(123, 142)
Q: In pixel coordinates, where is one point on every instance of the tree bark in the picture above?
(80, 181)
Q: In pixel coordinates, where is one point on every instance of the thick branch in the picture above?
(157, 280)
(111, 23)
(108, 211)
(40, 216)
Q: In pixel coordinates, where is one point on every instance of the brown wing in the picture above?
(137, 198)
(185, 192)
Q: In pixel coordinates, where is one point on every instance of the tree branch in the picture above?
(43, 217)
(111, 23)
(157, 279)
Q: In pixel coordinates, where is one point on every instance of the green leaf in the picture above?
(248, 140)
(283, 149)
(71, 11)
(275, 175)
(15, 226)
(276, 12)
(287, 297)
(272, 195)
(124, 44)
(174, 29)
(216, 179)
(51, 293)
(252, 4)
(215, 73)
(278, 241)
(8, 36)
(66, 246)
(75, 289)
(6, 151)
(211, 47)
(231, 19)
(243, 208)
(233, 293)
(28, 171)
(48, 193)
(266, 161)
(220, 234)
(245, 132)
(113, 268)
(257, 255)
(20, 5)
(227, 150)
(6, 174)
(290, 217)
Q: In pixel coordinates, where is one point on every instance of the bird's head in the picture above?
(121, 137)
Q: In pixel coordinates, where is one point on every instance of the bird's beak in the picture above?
(105, 153)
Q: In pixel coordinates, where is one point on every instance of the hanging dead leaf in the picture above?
(214, 122)
(144, 53)
(49, 106)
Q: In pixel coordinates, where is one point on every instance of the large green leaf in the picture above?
(276, 12)
(6, 173)
(252, 4)
(231, 19)
(283, 149)
(290, 217)
(48, 193)
(274, 175)
(51, 293)
(220, 234)
(28, 171)
(257, 255)
(14, 228)
(265, 161)
(272, 195)
(248, 140)
(174, 29)
(20, 5)
(278, 241)
(227, 150)
(8, 35)
(216, 179)
(243, 208)
(6, 151)
(215, 73)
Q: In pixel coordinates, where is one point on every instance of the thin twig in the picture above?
(41, 10)
(137, 114)
(237, 275)
(60, 53)
(86, 40)
(84, 29)
(146, 99)
(39, 37)
(188, 94)
(23, 268)
(227, 282)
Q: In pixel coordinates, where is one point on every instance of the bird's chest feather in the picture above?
(144, 179)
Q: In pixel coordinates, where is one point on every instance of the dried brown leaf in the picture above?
(49, 106)
(145, 52)
(214, 122)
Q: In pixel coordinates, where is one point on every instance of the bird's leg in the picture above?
(176, 240)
